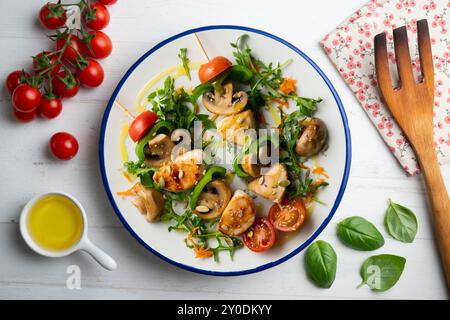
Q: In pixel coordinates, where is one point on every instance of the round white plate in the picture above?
(312, 82)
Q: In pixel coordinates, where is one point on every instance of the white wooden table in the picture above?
(137, 25)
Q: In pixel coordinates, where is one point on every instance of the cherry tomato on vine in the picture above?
(14, 79)
(289, 215)
(74, 45)
(96, 16)
(50, 106)
(46, 60)
(108, 2)
(91, 74)
(261, 235)
(52, 16)
(213, 68)
(63, 145)
(65, 85)
(24, 116)
(97, 44)
(26, 98)
(141, 125)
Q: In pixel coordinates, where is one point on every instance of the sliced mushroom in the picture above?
(149, 202)
(250, 165)
(313, 137)
(235, 128)
(158, 151)
(225, 102)
(272, 185)
(238, 215)
(182, 173)
(213, 200)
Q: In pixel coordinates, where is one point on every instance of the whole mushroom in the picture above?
(313, 137)
(158, 151)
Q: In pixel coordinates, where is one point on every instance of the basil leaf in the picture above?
(382, 272)
(360, 234)
(321, 263)
(401, 223)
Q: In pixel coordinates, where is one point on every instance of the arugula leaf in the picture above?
(185, 61)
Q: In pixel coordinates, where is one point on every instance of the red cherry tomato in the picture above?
(213, 68)
(52, 16)
(289, 215)
(97, 17)
(50, 106)
(14, 79)
(46, 60)
(97, 45)
(24, 116)
(107, 2)
(141, 125)
(63, 145)
(65, 85)
(92, 74)
(26, 98)
(70, 53)
(260, 236)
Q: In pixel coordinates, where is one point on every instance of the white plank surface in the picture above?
(137, 25)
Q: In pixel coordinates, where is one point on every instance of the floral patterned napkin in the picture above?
(350, 48)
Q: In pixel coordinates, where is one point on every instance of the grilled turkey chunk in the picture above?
(238, 215)
(235, 128)
(149, 202)
(272, 184)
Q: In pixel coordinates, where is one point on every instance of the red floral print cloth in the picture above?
(350, 48)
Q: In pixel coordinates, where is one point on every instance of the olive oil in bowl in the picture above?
(55, 223)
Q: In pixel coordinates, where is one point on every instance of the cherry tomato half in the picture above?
(65, 85)
(97, 17)
(92, 74)
(14, 79)
(46, 60)
(213, 68)
(74, 47)
(50, 107)
(24, 116)
(97, 45)
(26, 98)
(261, 236)
(141, 125)
(289, 215)
(52, 16)
(107, 2)
(63, 145)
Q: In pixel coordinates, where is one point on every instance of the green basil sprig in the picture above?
(359, 234)
(321, 263)
(382, 272)
(401, 223)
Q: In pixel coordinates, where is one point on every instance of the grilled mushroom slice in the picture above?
(238, 215)
(250, 165)
(313, 137)
(213, 200)
(149, 202)
(225, 103)
(181, 174)
(272, 184)
(158, 151)
(235, 128)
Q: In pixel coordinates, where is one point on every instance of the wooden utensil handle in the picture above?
(440, 204)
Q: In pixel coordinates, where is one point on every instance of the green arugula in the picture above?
(185, 62)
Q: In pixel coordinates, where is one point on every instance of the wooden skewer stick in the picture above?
(128, 113)
(200, 46)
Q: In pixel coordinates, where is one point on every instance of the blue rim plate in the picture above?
(341, 190)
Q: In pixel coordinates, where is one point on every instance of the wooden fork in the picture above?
(411, 104)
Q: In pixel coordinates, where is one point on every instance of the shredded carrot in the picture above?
(317, 182)
(127, 176)
(321, 171)
(178, 90)
(288, 86)
(129, 192)
(201, 252)
(281, 102)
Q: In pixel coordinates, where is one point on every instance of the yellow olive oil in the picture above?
(55, 223)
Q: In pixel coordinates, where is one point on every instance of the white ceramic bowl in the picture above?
(312, 82)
